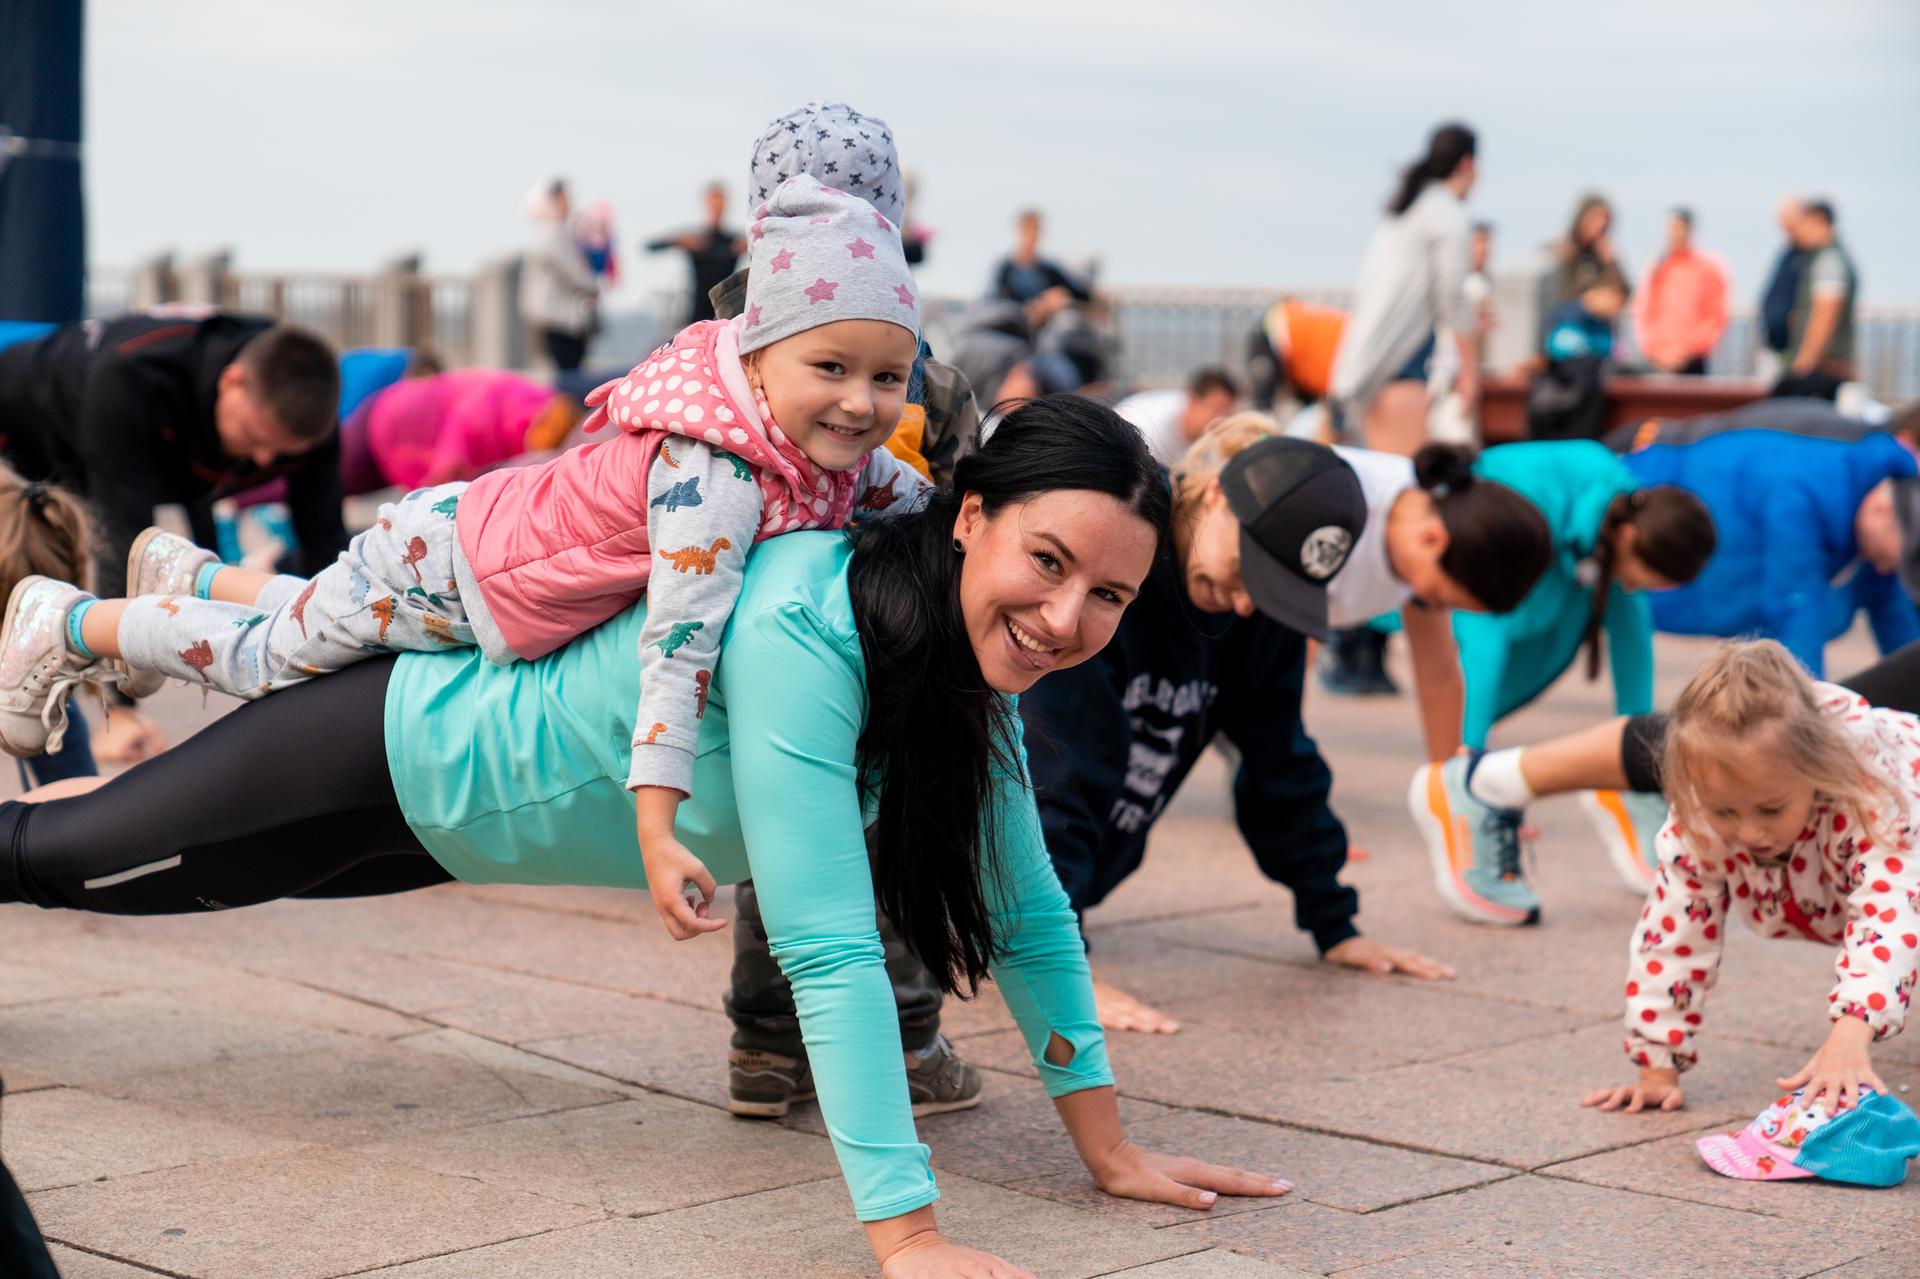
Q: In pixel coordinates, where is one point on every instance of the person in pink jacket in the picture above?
(425, 431)
(1679, 315)
(1796, 810)
(733, 431)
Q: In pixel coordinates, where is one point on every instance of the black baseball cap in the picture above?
(1300, 509)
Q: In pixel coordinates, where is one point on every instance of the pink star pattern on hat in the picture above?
(880, 220)
(904, 293)
(780, 261)
(753, 317)
(758, 229)
(817, 221)
(859, 248)
(821, 290)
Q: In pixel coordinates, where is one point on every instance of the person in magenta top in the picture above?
(424, 431)
(1681, 313)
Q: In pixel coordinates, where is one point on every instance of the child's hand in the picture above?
(670, 870)
(1839, 1069)
(1659, 1088)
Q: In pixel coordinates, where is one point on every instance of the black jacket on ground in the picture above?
(1110, 741)
(121, 412)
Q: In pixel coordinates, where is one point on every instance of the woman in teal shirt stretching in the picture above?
(1613, 540)
(864, 680)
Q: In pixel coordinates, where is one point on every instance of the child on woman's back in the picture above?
(731, 432)
(1794, 806)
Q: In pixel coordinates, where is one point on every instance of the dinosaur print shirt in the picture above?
(1837, 884)
(705, 508)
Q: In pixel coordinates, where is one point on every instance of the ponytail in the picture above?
(1449, 145)
(43, 529)
(1673, 536)
(1498, 543)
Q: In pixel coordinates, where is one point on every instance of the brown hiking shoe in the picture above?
(763, 1085)
(938, 1081)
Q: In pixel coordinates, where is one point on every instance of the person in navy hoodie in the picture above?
(1797, 517)
(1214, 646)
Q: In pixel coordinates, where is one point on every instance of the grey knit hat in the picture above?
(836, 144)
(821, 255)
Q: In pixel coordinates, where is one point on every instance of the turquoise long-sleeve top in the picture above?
(517, 774)
(1508, 659)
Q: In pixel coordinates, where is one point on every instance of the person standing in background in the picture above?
(1586, 255)
(1783, 286)
(1820, 330)
(559, 294)
(712, 252)
(1681, 313)
(1410, 288)
(1024, 275)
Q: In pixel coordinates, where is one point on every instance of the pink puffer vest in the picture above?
(557, 549)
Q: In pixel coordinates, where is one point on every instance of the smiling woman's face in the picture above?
(1045, 580)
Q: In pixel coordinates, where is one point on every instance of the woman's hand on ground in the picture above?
(1658, 1089)
(1117, 1010)
(931, 1257)
(1371, 956)
(128, 738)
(1131, 1173)
(1839, 1069)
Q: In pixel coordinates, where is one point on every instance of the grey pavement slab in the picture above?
(807, 1232)
(86, 1040)
(64, 1136)
(75, 1264)
(1214, 1263)
(629, 1158)
(1532, 1225)
(355, 1092)
(1673, 1167)
(670, 1048)
(296, 1215)
(27, 983)
(1896, 1262)
(1335, 1172)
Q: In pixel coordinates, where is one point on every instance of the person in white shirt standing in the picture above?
(1410, 295)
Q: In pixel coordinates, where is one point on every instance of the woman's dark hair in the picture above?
(1587, 204)
(1673, 536)
(1498, 543)
(1449, 145)
(936, 732)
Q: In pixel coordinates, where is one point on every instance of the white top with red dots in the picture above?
(1834, 885)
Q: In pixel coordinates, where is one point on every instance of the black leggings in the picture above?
(1893, 682)
(288, 796)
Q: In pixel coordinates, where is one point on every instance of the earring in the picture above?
(959, 547)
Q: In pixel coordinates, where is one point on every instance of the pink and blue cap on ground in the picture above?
(1868, 1145)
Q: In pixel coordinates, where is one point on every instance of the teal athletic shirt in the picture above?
(1508, 659)
(516, 774)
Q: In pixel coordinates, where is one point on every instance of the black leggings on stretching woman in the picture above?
(286, 797)
(1893, 682)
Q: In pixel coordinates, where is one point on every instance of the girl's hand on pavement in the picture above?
(1371, 956)
(1658, 1089)
(928, 1256)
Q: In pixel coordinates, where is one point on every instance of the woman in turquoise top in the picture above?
(1612, 541)
(863, 680)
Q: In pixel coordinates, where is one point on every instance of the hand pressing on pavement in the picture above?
(1839, 1069)
(1371, 956)
(1658, 1089)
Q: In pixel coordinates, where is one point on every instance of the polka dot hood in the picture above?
(696, 386)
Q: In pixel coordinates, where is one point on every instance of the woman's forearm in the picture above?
(890, 1234)
(1092, 1117)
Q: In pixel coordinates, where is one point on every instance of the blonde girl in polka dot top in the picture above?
(1794, 811)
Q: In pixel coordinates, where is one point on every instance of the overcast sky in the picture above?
(1203, 142)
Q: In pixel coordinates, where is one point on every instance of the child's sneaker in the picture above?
(37, 673)
(1474, 847)
(764, 1085)
(938, 1081)
(160, 563)
(1628, 823)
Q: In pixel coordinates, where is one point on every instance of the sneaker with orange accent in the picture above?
(1474, 847)
(1628, 823)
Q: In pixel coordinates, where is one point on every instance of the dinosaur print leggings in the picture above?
(287, 798)
(392, 590)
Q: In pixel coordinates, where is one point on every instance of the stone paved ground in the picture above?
(492, 1082)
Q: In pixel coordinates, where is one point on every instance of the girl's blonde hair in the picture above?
(1209, 454)
(43, 529)
(1743, 688)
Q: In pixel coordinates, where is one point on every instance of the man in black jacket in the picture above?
(141, 411)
